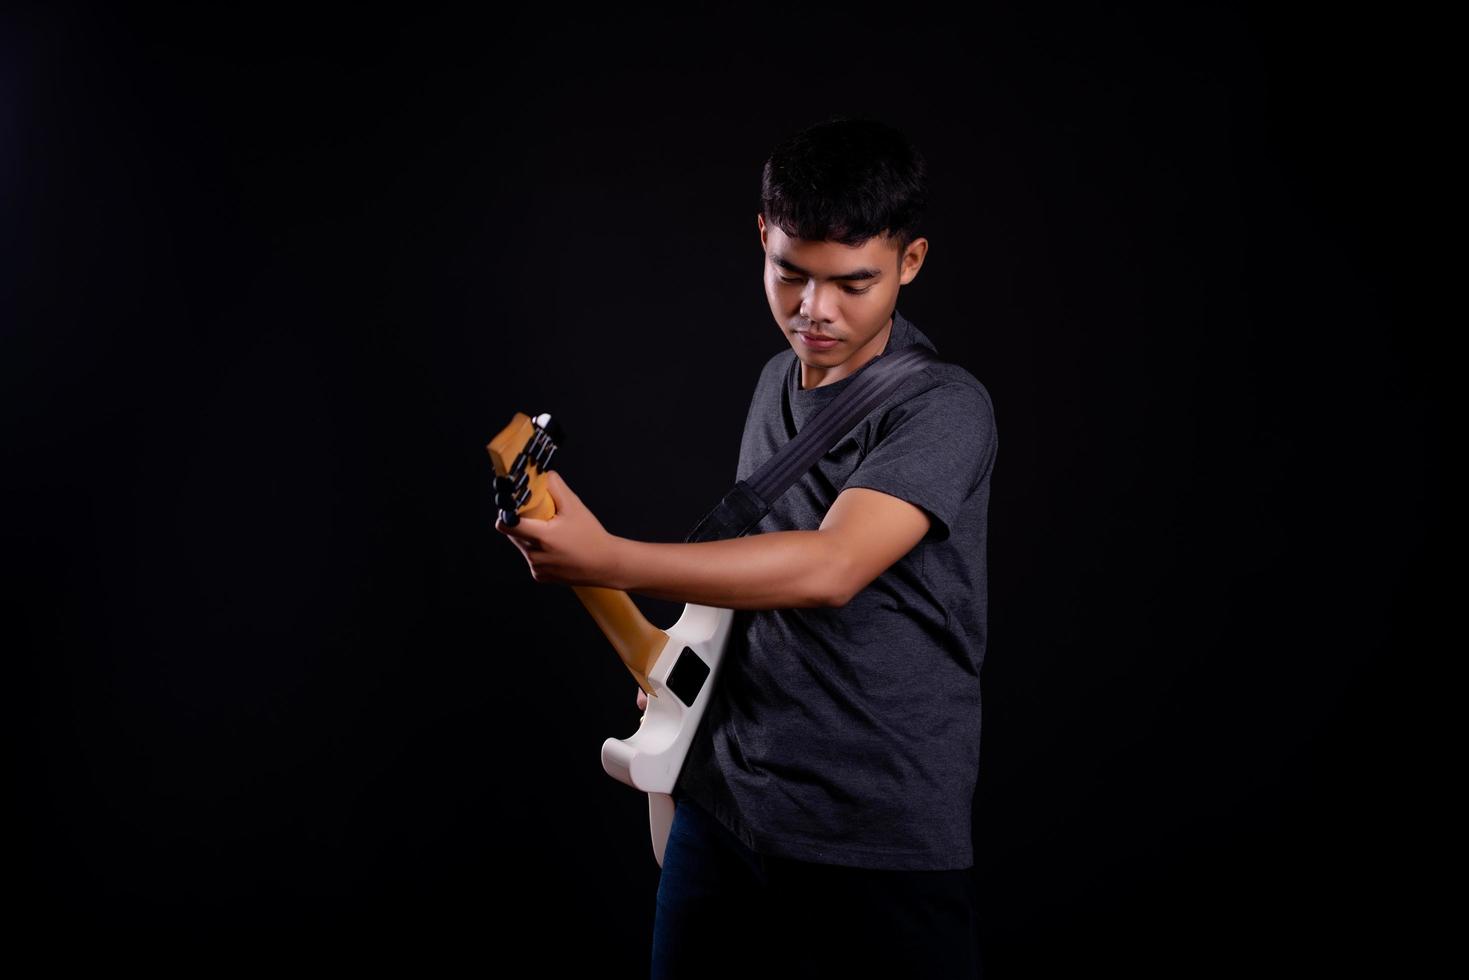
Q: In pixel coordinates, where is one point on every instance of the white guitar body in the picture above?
(682, 678)
(678, 667)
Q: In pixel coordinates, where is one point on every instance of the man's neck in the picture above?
(820, 377)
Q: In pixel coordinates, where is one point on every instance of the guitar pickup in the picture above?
(688, 676)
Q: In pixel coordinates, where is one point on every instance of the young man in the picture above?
(824, 809)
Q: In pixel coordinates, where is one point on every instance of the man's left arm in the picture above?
(929, 455)
(778, 570)
(870, 531)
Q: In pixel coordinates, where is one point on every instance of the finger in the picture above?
(531, 525)
(522, 545)
(642, 700)
(518, 539)
(526, 531)
(561, 494)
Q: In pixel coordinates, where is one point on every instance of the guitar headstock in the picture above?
(522, 454)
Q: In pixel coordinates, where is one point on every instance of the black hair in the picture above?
(845, 180)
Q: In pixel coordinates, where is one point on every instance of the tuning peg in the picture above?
(505, 493)
(552, 428)
(509, 517)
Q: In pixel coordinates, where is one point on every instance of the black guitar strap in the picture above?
(751, 499)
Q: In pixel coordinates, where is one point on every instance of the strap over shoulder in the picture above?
(751, 499)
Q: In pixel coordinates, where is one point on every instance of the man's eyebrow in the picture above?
(859, 275)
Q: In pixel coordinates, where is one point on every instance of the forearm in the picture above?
(777, 570)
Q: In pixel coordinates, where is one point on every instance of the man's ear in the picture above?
(917, 248)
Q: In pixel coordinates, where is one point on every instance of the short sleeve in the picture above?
(932, 450)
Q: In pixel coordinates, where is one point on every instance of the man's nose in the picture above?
(819, 302)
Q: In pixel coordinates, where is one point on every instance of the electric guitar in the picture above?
(676, 668)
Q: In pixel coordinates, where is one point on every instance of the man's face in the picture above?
(826, 289)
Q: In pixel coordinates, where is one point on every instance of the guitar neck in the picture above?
(637, 641)
(520, 454)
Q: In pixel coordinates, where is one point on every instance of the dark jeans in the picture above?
(725, 911)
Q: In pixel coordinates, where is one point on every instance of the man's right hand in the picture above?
(642, 700)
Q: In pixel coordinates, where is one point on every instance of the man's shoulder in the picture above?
(778, 362)
(948, 372)
(774, 371)
(950, 385)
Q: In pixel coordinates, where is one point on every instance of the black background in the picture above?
(271, 281)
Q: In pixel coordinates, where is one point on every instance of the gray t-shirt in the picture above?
(850, 736)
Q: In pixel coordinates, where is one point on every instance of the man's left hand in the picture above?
(571, 548)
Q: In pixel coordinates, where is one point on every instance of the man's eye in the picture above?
(845, 289)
